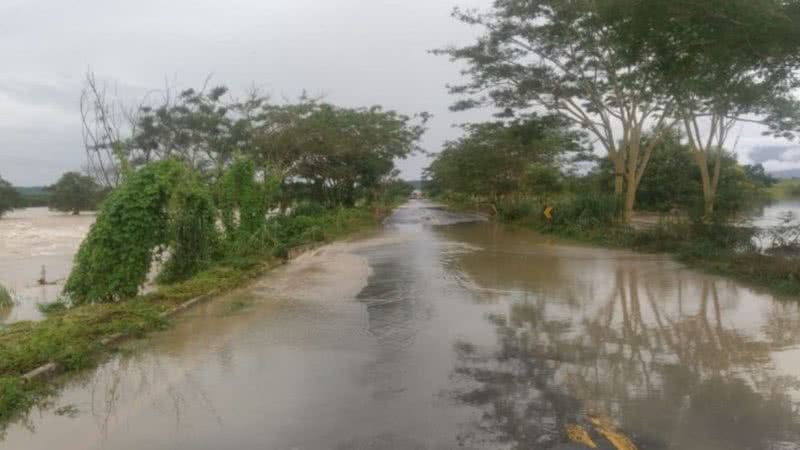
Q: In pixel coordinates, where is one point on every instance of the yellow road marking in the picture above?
(616, 438)
(577, 434)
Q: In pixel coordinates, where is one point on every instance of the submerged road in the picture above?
(443, 332)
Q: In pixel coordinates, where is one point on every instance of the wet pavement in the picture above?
(440, 332)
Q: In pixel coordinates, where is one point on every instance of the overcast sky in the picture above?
(355, 52)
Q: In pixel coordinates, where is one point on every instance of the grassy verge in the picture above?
(716, 248)
(72, 337)
(777, 274)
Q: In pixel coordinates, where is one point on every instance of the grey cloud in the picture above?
(358, 52)
(762, 154)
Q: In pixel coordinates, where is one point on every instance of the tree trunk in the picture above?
(632, 152)
(630, 202)
(619, 172)
(708, 186)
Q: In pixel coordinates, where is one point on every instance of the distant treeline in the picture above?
(34, 196)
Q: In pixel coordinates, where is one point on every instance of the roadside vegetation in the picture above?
(9, 197)
(786, 190)
(204, 193)
(658, 88)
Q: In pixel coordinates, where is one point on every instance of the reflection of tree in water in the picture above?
(516, 388)
(670, 379)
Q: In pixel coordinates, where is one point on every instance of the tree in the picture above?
(343, 154)
(9, 197)
(718, 62)
(495, 159)
(74, 193)
(565, 57)
(197, 128)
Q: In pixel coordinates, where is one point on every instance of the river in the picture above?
(438, 332)
(32, 239)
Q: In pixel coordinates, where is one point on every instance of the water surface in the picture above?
(32, 239)
(439, 333)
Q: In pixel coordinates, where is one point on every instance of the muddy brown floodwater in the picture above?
(435, 333)
(30, 239)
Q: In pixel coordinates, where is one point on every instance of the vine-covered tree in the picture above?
(9, 197)
(566, 57)
(114, 259)
(74, 193)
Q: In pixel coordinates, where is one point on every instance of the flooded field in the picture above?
(32, 239)
(440, 332)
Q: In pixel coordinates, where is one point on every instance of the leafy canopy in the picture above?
(497, 158)
(74, 193)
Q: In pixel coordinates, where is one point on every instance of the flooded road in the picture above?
(439, 333)
(30, 239)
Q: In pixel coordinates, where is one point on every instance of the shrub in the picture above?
(512, 210)
(193, 233)
(6, 299)
(587, 210)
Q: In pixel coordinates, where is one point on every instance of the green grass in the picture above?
(71, 337)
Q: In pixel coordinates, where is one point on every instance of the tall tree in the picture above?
(565, 56)
(74, 193)
(718, 62)
(9, 197)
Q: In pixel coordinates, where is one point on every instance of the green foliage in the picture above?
(71, 339)
(586, 210)
(309, 224)
(9, 197)
(6, 299)
(396, 190)
(243, 202)
(342, 154)
(114, 259)
(496, 159)
(74, 193)
(193, 232)
(14, 396)
(727, 57)
(198, 128)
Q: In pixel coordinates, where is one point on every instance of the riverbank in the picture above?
(715, 248)
(76, 338)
